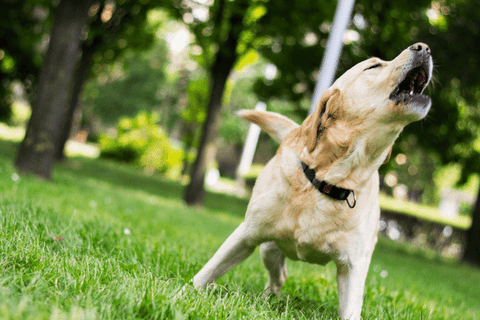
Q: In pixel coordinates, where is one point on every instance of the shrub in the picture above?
(141, 142)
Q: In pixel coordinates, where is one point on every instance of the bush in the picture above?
(141, 142)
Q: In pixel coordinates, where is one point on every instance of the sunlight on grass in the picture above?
(423, 212)
(11, 133)
(72, 148)
(104, 241)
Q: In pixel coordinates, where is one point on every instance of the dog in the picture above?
(317, 199)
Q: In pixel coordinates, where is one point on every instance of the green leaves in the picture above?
(142, 142)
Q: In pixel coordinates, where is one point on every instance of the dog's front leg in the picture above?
(351, 284)
(234, 250)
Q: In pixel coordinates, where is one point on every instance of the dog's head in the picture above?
(367, 107)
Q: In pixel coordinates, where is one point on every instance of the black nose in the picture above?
(421, 48)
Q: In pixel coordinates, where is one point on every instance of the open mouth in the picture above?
(411, 87)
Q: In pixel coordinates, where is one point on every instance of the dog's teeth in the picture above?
(411, 93)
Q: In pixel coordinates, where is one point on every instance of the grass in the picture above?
(423, 212)
(106, 242)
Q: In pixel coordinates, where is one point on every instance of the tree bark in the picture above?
(81, 76)
(49, 111)
(472, 245)
(221, 68)
(195, 191)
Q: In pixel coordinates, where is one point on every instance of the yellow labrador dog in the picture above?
(317, 199)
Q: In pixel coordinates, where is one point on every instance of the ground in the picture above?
(103, 241)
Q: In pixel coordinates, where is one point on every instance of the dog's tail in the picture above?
(276, 125)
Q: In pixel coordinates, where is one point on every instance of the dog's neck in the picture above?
(355, 168)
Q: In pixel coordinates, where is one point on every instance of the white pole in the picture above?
(250, 145)
(333, 49)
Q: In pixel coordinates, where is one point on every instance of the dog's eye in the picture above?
(376, 65)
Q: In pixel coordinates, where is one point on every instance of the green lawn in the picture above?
(106, 242)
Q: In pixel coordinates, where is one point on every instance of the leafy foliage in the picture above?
(115, 26)
(137, 82)
(380, 28)
(142, 142)
(451, 130)
(212, 34)
(22, 24)
(197, 93)
(193, 115)
(233, 130)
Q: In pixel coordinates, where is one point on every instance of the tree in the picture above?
(132, 86)
(37, 151)
(22, 24)
(451, 131)
(193, 116)
(220, 70)
(226, 35)
(471, 253)
(112, 25)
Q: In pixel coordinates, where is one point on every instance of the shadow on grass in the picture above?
(124, 176)
(307, 308)
(8, 149)
(293, 305)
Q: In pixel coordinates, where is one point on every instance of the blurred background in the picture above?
(155, 84)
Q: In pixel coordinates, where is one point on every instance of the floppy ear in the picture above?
(388, 156)
(315, 123)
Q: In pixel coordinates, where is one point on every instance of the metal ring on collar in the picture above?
(354, 200)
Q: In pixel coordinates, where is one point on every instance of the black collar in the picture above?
(329, 189)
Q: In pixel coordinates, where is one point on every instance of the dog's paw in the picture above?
(270, 291)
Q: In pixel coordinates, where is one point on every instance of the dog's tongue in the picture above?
(422, 79)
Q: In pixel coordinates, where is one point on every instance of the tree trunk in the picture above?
(49, 112)
(220, 70)
(188, 139)
(195, 191)
(81, 76)
(472, 245)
